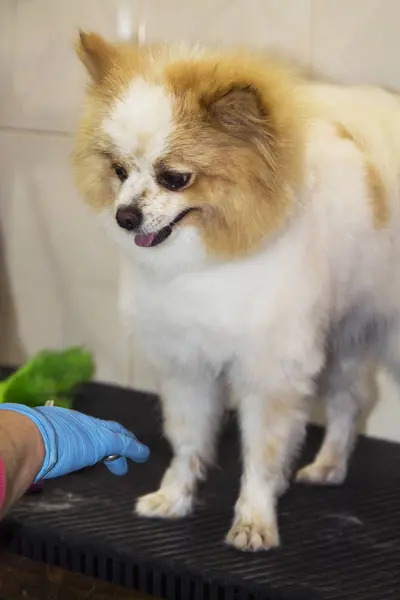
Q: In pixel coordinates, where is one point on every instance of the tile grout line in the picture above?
(34, 131)
(313, 9)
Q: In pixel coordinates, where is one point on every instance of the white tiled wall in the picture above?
(57, 270)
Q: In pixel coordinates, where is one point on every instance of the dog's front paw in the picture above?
(253, 535)
(322, 473)
(164, 504)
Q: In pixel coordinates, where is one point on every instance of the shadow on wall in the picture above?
(11, 349)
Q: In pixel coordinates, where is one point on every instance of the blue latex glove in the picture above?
(73, 440)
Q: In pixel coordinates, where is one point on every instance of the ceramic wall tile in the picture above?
(36, 316)
(41, 78)
(357, 41)
(91, 319)
(383, 422)
(282, 26)
(46, 228)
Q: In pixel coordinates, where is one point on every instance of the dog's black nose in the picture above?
(129, 217)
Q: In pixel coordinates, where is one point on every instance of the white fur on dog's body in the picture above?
(264, 322)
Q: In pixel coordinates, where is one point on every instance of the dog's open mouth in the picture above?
(149, 240)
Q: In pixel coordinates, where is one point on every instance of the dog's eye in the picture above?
(120, 172)
(174, 181)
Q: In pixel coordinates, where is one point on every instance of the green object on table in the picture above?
(49, 376)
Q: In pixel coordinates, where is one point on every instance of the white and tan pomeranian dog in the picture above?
(260, 215)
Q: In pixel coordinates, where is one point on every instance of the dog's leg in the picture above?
(345, 392)
(272, 429)
(192, 414)
(274, 384)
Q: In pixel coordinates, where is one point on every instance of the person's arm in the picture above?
(48, 441)
(22, 454)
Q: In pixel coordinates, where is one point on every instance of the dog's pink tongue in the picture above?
(144, 240)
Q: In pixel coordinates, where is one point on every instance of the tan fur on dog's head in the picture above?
(235, 125)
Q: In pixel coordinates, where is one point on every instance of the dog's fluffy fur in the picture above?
(282, 282)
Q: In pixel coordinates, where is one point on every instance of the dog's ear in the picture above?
(96, 54)
(237, 110)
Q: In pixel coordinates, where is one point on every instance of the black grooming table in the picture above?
(337, 543)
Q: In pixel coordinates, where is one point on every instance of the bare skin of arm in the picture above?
(22, 452)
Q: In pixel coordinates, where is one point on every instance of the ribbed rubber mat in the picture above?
(338, 543)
